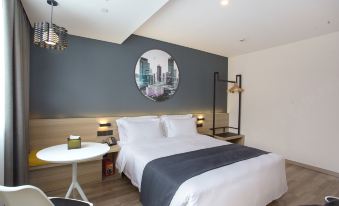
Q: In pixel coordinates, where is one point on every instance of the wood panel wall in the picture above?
(48, 132)
(59, 177)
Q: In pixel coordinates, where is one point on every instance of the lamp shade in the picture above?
(50, 36)
(235, 89)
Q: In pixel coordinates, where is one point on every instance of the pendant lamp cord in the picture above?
(52, 13)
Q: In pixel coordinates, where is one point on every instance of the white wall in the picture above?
(291, 100)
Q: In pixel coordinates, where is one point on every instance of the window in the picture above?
(2, 92)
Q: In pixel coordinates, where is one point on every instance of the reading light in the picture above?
(108, 124)
(200, 118)
(103, 130)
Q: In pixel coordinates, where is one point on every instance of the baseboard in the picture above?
(328, 172)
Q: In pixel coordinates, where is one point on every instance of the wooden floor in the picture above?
(305, 187)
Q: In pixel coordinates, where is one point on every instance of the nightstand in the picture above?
(221, 133)
(231, 137)
(108, 161)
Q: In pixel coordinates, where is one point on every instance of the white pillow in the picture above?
(121, 129)
(163, 119)
(141, 131)
(180, 127)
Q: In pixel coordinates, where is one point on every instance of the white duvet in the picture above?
(252, 182)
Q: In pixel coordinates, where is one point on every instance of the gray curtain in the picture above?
(17, 56)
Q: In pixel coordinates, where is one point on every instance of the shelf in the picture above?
(114, 148)
(231, 137)
(111, 156)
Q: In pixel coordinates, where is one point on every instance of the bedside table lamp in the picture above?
(236, 88)
(104, 129)
(200, 120)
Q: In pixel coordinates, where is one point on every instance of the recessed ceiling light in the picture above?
(224, 2)
(104, 10)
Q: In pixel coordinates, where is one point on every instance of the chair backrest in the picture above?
(24, 195)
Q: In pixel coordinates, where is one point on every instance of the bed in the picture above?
(252, 182)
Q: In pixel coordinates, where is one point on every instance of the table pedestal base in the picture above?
(75, 183)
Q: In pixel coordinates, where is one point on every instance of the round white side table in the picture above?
(61, 154)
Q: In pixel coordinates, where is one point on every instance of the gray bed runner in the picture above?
(162, 177)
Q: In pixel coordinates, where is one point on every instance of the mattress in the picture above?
(255, 182)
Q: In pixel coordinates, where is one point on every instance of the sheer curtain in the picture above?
(16, 79)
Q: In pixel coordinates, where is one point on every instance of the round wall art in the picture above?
(157, 75)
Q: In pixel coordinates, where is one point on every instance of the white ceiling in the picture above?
(206, 25)
(107, 20)
(199, 24)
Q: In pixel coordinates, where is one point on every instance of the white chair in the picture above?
(32, 196)
(331, 201)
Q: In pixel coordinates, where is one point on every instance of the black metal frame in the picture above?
(238, 81)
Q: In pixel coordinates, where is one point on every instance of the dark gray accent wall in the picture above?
(96, 78)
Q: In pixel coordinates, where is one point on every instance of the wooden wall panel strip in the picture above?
(49, 132)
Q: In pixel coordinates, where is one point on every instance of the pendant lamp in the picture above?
(48, 35)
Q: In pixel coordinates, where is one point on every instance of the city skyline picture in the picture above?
(157, 75)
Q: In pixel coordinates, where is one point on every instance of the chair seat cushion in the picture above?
(67, 202)
(33, 161)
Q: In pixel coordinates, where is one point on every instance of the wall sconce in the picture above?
(235, 88)
(200, 121)
(201, 118)
(105, 124)
(103, 129)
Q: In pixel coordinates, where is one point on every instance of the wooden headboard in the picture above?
(47, 132)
